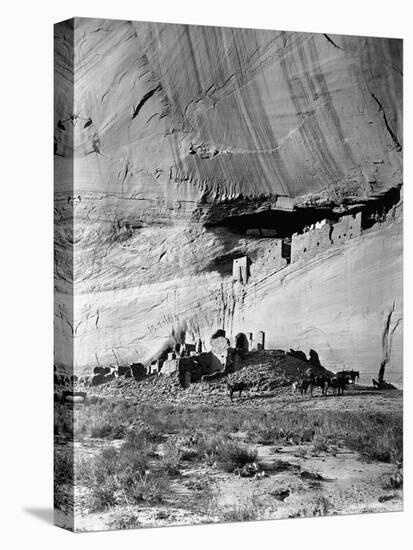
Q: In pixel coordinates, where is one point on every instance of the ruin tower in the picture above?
(260, 340)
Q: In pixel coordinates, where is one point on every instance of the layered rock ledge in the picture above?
(179, 149)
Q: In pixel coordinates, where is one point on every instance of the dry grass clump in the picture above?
(247, 511)
(158, 443)
(63, 465)
(226, 454)
(125, 476)
(318, 506)
(187, 420)
(63, 476)
(231, 456)
(383, 443)
(320, 444)
(141, 469)
(99, 418)
(171, 458)
(103, 419)
(376, 436)
(124, 519)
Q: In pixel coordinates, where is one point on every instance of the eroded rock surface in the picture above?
(171, 135)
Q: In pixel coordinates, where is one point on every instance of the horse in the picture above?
(354, 375)
(319, 382)
(302, 385)
(236, 386)
(339, 383)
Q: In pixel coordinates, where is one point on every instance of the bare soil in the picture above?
(290, 481)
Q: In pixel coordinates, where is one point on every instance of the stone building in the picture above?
(323, 235)
(170, 366)
(260, 340)
(240, 270)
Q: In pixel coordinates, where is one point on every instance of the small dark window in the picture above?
(318, 244)
(305, 250)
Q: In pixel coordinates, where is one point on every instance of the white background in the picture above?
(26, 195)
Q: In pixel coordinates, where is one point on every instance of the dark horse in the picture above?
(237, 386)
(352, 374)
(338, 383)
(319, 382)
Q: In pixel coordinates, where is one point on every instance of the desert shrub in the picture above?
(396, 480)
(105, 429)
(318, 506)
(301, 452)
(124, 519)
(386, 447)
(267, 435)
(320, 444)
(189, 454)
(98, 474)
(207, 446)
(246, 511)
(138, 441)
(105, 464)
(128, 475)
(187, 420)
(93, 399)
(103, 418)
(172, 457)
(376, 436)
(103, 495)
(63, 421)
(230, 456)
(147, 487)
(84, 469)
(63, 466)
(136, 451)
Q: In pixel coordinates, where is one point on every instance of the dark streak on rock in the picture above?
(392, 134)
(145, 98)
(386, 343)
(331, 41)
(330, 233)
(151, 117)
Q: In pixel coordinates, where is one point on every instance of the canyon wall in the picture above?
(171, 132)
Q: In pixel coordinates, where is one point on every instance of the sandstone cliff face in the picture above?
(173, 131)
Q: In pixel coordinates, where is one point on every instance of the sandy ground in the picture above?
(294, 481)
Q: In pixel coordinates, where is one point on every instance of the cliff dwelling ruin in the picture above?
(228, 274)
(214, 218)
